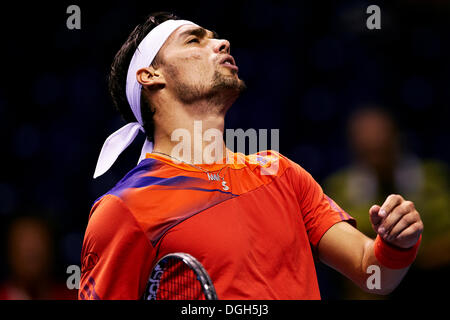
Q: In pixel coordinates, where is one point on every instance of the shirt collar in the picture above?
(237, 161)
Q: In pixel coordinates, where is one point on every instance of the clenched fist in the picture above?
(397, 221)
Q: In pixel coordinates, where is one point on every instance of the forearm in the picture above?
(388, 279)
(356, 259)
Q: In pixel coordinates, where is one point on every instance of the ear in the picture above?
(150, 78)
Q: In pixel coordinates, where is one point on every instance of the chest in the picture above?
(260, 225)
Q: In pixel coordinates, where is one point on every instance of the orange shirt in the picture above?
(255, 235)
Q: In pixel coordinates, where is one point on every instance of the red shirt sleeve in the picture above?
(116, 255)
(319, 212)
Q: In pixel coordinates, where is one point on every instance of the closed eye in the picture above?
(193, 40)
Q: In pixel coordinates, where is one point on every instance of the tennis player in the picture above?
(256, 233)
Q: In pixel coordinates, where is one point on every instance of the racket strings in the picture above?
(179, 282)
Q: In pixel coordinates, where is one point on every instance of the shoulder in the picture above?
(111, 210)
(132, 179)
(111, 226)
(272, 164)
(271, 161)
(108, 215)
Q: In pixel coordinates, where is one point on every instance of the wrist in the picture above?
(393, 257)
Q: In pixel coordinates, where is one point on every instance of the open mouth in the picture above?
(228, 61)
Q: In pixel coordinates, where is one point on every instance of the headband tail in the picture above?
(146, 148)
(114, 145)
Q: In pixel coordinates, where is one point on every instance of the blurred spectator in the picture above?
(30, 259)
(382, 167)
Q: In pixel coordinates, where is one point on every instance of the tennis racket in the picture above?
(179, 276)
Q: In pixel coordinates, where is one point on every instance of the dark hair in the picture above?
(118, 75)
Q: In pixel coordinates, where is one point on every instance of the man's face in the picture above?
(198, 66)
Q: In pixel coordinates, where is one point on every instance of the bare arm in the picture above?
(350, 252)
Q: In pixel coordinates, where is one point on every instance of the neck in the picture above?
(191, 133)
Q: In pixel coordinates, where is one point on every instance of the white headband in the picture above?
(143, 57)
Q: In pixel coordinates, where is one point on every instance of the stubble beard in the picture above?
(219, 94)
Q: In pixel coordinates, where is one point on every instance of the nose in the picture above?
(222, 46)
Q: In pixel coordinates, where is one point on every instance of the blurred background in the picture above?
(366, 112)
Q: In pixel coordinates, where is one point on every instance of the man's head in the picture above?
(190, 67)
(374, 137)
(30, 250)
